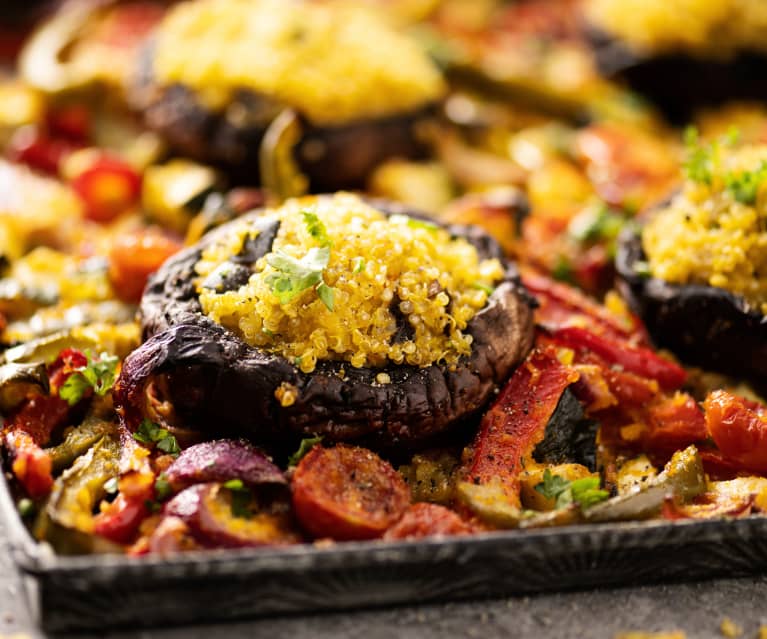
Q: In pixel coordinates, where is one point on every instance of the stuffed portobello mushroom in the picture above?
(218, 73)
(329, 315)
(682, 54)
(697, 272)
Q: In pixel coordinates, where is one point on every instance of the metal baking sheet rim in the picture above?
(106, 591)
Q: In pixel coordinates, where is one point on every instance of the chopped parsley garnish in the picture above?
(595, 224)
(241, 497)
(98, 374)
(414, 223)
(151, 434)
(162, 488)
(744, 185)
(699, 164)
(316, 228)
(358, 264)
(304, 447)
(294, 276)
(584, 492)
(563, 270)
(483, 287)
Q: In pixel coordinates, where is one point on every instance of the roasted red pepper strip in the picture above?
(108, 188)
(739, 428)
(516, 422)
(562, 305)
(634, 359)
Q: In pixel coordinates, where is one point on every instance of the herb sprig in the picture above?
(304, 447)
(241, 498)
(98, 374)
(585, 492)
(152, 435)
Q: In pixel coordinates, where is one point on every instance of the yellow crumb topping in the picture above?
(397, 289)
(333, 63)
(714, 232)
(710, 28)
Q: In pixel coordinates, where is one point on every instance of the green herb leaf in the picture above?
(153, 506)
(584, 492)
(699, 164)
(151, 434)
(162, 488)
(563, 270)
(241, 498)
(316, 228)
(110, 486)
(326, 294)
(414, 223)
(234, 484)
(294, 276)
(358, 264)
(587, 492)
(596, 224)
(745, 185)
(304, 447)
(98, 374)
(483, 287)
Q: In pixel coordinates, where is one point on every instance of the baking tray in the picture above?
(97, 592)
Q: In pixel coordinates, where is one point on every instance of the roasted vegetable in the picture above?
(18, 381)
(66, 522)
(191, 353)
(210, 513)
(569, 435)
(739, 428)
(702, 325)
(428, 520)
(347, 493)
(682, 478)
(221, 460)
(516, 424)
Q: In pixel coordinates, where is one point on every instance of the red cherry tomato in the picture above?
(108, 188)
(739, 429)
(72, 122)
(134, 257)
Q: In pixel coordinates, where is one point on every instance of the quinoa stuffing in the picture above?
(345, 282)
(714, 232)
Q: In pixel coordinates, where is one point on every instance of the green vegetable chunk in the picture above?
(585, 492)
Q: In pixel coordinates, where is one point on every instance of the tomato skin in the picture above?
(31, 466)
(120, 520)
(108, 188)
(134, 257)
(674, 423)
(347, 493)
(38, 151)
(427, 520)
(739, 429)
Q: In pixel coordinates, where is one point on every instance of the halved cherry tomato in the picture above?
(120, 520)
(134, 257)
(674, 423)
(347, 492)
(739, 429)
(428, 520)
(108, 188)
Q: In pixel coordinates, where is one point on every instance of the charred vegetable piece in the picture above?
(18, 381)
(702, 325)
(347, 493)
(516, 423)
(31, 465)
(78, 440)
(207, 509)
(683, 478)
(739, 428)
(66, 522)
(119, 521)
(569, 436)
(428, 520)
(119, 339)
(195, 357)
(221, 460)
(108, 188)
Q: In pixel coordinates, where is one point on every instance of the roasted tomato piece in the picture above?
(39, 151)
(347, 492)
(108, 188)
(674, 423)
(516, 422)
(120, 520)
(739, 428)
(31, 465)
(214, 518)
(428, 520)
(134, 257)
